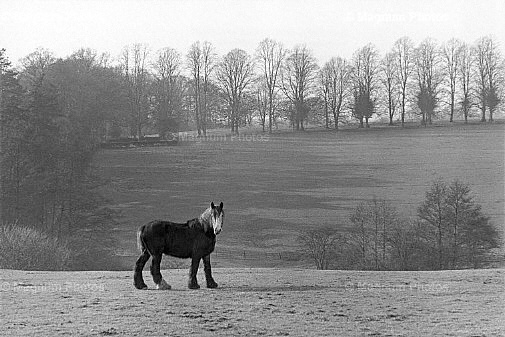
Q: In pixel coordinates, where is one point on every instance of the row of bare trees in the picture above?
(450, 232)
(165, 91)
(426, 79)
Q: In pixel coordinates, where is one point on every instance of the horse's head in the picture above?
(216, 217)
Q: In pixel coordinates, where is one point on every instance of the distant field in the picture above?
(255, 302)
(274, 185)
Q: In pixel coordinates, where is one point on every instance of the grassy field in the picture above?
(274, 185)
(256, 302)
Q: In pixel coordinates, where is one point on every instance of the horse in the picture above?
(194, 239)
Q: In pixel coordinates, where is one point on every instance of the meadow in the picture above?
(256, 302)
(275, 185)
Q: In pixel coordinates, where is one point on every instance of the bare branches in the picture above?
(320, 245)
(271, 55)
(298, 80)
(201, 60)
(389, 79)
(464, 72)
(365, 77)
(489, 76)
(450, 62)
(427, 61)
(235, 73)
(403, 50)
(335, 77)
(134, 65)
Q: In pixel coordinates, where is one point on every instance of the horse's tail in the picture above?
(140, 243)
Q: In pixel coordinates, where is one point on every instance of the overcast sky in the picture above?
(328, 27)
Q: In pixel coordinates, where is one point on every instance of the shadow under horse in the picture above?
(194, 239)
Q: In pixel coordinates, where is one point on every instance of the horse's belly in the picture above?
(178, 251)
(186, 243)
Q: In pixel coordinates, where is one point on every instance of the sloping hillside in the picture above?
(256, 302)
(276, 185)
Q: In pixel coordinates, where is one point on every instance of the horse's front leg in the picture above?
(208, 272)
(193, 283)
(156, 273)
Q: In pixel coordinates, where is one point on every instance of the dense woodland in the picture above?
(54, 112)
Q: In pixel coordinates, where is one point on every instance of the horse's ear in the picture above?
(221, 205)
(212, 205)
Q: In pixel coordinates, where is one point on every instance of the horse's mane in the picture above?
(195, 224)
(200, 223)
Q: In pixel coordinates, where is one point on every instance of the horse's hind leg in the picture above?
(208, 272)
(193, 283)
(156, 273)
(138, 280)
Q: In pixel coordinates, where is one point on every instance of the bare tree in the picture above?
(432, 214)
(450, 63)
(365, 77)
(325, 86)
(340, 77)
(134, 66)
(262, 102)
(168, 90)
(489, 78)
(390, 83)
(403, 49)
(465, 72)
(298, 81)
(271, 55)
(427, 66)
(405, 242)
(201, 62)
(194, 58)
(209, 59)
(373, 222)
(463, 235)
(235, 73)
(35, 66)
(320, 245)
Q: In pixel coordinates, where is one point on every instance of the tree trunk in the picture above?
(451, 118)
(270, 114)
(403, 109)
(326, 114)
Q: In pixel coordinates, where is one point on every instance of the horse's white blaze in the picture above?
(210, 218)
(217, 223)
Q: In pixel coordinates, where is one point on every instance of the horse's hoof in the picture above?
(193, 286)
(163, 285)
(141, 286)
(212, 285)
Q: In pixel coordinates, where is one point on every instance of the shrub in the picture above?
(26, 248)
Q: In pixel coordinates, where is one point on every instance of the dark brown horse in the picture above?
(194, 239)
